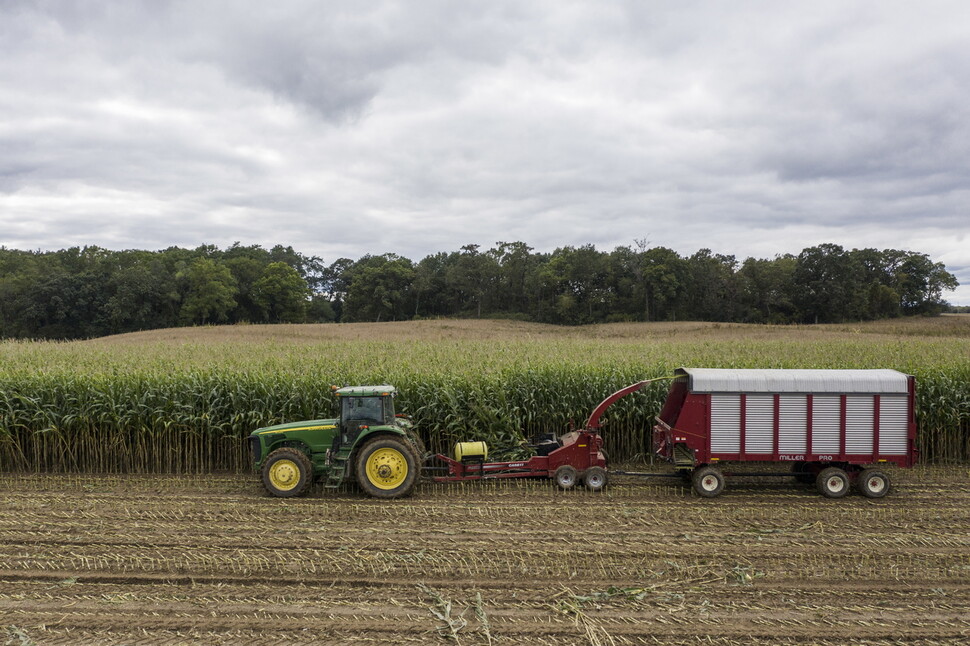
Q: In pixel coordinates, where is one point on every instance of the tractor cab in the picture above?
(362, 407)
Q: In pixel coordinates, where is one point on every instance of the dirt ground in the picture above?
(213, 560)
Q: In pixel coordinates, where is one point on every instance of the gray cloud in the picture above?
(752, 128)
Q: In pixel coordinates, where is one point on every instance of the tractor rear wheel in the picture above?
(873, 483)
(832, 482)
(708, 482)
(596, 478)
(566, 477)
(387, 467)
(287, 472)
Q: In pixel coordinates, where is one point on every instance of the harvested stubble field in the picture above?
(157, 559)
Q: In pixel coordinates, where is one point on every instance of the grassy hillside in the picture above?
(184, 399)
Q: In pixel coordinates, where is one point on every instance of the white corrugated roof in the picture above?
(717, 380)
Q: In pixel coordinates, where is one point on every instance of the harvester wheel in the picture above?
(832, 482)
(387, 468)
(595, 478)
(566, 477)
(708, 482)
(287, 472)
(873, 483)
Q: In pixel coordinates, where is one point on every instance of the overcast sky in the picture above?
(750, 128)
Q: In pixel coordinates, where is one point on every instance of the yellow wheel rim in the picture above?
(386, 468)
(284, 474)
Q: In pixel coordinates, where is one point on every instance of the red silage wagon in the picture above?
(834, 427)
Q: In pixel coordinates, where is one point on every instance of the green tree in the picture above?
(380, 289)
(430, 285)
(281, 294)
(335, 283)
(765, 290)
(711, 288)
(320, 310)
(141, 294)
(472, 276)
(920, 283)
(664, 275)
(582, 278)
(210, 292)
(516, 262)
(828, 285)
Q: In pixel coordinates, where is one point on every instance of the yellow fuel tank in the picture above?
(471, 451)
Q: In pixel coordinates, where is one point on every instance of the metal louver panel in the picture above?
(825, 423)
(725, 423)
(792, 424)
(759, 427)
(893, 424)
(859, 424)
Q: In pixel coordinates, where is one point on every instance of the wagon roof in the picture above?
(718, 380)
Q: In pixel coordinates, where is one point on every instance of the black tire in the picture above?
(287, 472)
(596, 478)
(708, 482)
(387, 468)
(873, 483)
(832, 482)
(566, 477)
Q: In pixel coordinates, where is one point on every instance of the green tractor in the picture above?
(368, 442)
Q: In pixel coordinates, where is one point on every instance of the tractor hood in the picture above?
(309, 425)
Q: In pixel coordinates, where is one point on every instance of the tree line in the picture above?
(91, 291)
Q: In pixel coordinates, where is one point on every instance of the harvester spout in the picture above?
(594, 418)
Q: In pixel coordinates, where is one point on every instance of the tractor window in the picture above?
(371, 409)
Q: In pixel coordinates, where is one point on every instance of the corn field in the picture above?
(184, 401)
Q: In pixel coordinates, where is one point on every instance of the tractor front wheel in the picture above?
(387, 467)
(287, 472)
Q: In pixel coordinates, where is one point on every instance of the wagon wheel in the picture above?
(566, 477)
(287, 472)
(873, 483)
(596, 478)
(708, 482)
(387, 468)
(832, 482)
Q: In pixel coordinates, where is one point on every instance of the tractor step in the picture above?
(335, 477)
(337, 472)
